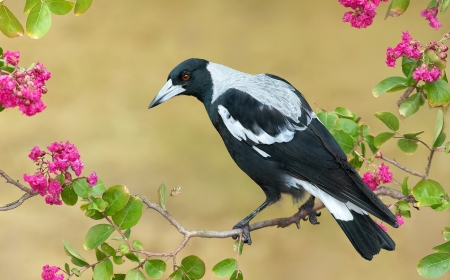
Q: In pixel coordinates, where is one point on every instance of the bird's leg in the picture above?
(244, 223)
(308, 207)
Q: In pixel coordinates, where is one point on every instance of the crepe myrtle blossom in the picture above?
(382, 175)
(430, 14)
(64, 158)
(408, 47)
(363, 12)
(422, 73)
(380, 224)
(50, 273)
(23, 88)
(400, 220)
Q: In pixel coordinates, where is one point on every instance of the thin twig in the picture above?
(430, 158)
(394, 162)
(17, 203)
(16, 183)
(405, 95)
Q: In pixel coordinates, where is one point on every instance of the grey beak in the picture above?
(168, 91)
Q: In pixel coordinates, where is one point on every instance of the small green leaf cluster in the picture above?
(437, 93)
(39, 17)
(191, 268)
(437, 264)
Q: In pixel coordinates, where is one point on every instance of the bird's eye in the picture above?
(185, 76)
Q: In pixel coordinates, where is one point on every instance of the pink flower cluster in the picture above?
(407, 47)
(430, 14)
(363, 12)
(23, 88)
(422, 73)
(49, 273)
(382, 175)
(400, 220)
(64, 156)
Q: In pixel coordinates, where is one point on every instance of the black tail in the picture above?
(366, 236)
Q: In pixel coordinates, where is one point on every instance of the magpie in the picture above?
(274, 136)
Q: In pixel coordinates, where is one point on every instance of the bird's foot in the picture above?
(245, 232)
(308, 207)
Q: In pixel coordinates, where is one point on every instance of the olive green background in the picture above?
(109, 63)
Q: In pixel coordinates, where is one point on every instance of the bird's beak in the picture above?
(168, 91)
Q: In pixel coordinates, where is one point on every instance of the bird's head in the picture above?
(190, 77)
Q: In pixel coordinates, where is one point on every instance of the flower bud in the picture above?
(378, 154)
(44, 89)
(444, 48)
(442, 55)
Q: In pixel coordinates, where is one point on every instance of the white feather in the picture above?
(261, 152)
(340, 210)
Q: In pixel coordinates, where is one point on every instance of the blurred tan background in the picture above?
(108, 64)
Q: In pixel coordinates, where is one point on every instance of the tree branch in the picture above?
(28, 193)
(394, 162)
(279, 222)
(16, 183)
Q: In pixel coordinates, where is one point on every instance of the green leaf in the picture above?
(39, 21)
(70, 251)
(441, 207)
(137, 244)
(440, 140)
(434, 59)
(444, 6)
(96, 216)
(447, 148)
(389, 84)
(124, 249)
(237, 275)
(438, 127)
(238, 246)
(155, 268)
(59, 7)
(9, 25)
(344, 140)
(193, 266)
(413, 135)
(370, 140)
(407, 146)
(411, 105)
(29, 4)
(438, 93)
(408, 66)
(97, 204)
(443, 248)
(1, 108)
(116, 197)
(118, 277)
(82, 6)
(127, 233)
(97, 235)
(428, 192)
(446, 233)
(69, 196)
(343, 112)
(327, 118)
(382, 138)
(348, 126)
(403, 205)
(108, 249)
(434, 265)
(398, 7)
(405, 190)
(388, 10)
(76, 271)
(67, 268)
(133, 257)
(176, 275)
(135, 274)
(81, 187)
(99, 255)
(118, 260)
(162, 196)
(225, 268)
(364, 130)
(389, 119)
(98, 189)
(130, 214)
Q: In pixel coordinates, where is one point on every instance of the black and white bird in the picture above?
(275, 138)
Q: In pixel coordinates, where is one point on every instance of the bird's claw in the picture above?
(312, 215)
(245, 233)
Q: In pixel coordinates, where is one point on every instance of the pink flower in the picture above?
(382, 175)
(12, 57)
(407, 47)
(371, 181)
(36, 153)
(430, 14)
(400, 220)
(77, 167)
(382, 227)
(363, 12)
(93, 179)
(423, 74)
(53, 200)
(54, 187)
(37, 182)
(49, 273)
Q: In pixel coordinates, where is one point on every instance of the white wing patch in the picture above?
(241, 133)
(268, 91)
(340, 210)
(261, 152)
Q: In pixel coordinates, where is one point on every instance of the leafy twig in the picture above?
(394, 162)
